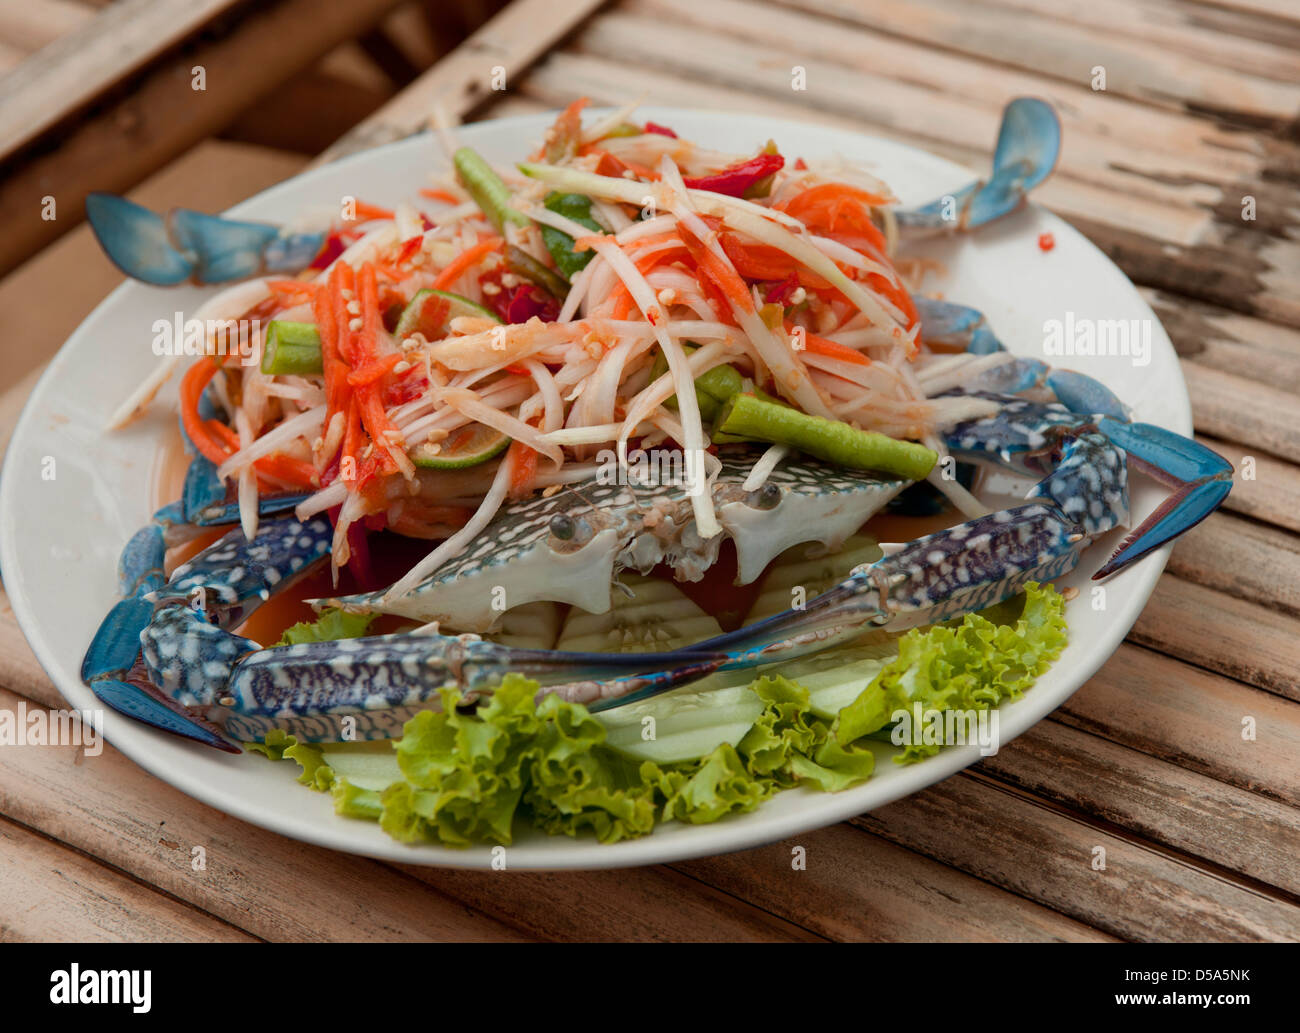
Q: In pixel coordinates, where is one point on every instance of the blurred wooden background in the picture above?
(103, 95)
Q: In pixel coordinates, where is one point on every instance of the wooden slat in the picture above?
(83, 64)
(1143, 894)
(1196, 815)
(1229, 342)
(1248, 560)
(50, 893)
(130, 137)
(1154, 75)
(512, 39)
(119, 814)
(1244, 411)
(1253, 643)
(1177, 28)
(880, 892)
(1273, 495)
(644, 904)
(1179, 713)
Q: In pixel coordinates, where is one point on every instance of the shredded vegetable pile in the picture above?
(488, 340)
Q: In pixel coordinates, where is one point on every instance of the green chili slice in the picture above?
(521, 263)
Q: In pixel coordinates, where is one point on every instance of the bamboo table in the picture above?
(1200, 823)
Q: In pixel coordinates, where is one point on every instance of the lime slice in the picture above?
(430, 311)
(468, 446)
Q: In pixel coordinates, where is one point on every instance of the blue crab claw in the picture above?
(191, 246)
(1200, 477)
(1082, 394)
(150, 706)
(107, 669)
(1029, 142)
(945, 323)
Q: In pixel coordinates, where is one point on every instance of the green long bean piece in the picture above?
(713, 388)
(291, 349)
(487, 189)
(748, 416)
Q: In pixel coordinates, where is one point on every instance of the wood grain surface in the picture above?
(1138, 810)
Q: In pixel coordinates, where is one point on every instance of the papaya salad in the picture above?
(514, 321)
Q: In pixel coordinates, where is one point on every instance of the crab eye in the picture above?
(767, 497)
(563, 527)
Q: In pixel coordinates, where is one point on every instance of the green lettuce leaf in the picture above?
(280, 745)
(717, 785)
(973, 665)
(332, 625)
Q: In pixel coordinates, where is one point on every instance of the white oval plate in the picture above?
(60, 539)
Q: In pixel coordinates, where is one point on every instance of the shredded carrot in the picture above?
(435, 194)
(733, 288)
(192, 384)
(523, 469)
(623, 299)
(895, 294)
(372, 371)
(366, 361)
(757, 261)
(301, 288)
(466, 260)
(365, 211)
(835, 350)
(295, 472)
(219, 430)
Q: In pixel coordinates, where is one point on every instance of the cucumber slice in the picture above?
(468, 446)
(689, 722)
(425, 313)
(367, 765)
(687, 725)
(835, 678)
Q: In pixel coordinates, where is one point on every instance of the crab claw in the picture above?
(1029, 142)
(107, 669)
(945, 323)
(192, 246)
(1200, 477)
(1082, 394)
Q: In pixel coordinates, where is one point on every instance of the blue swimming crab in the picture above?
(169, 654)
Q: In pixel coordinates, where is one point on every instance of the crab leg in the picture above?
(1029, 141)
(186, 245)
